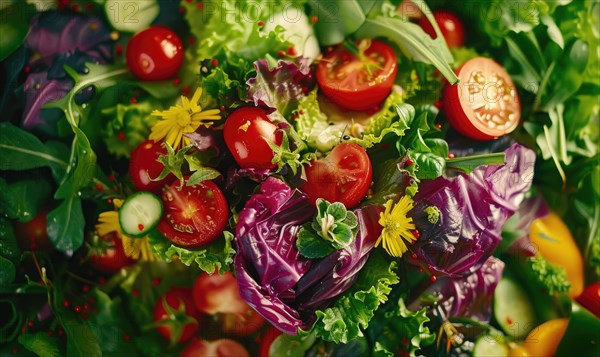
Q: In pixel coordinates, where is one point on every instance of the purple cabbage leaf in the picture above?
(274, 279)
(469, 296)
(52, 33)
(461, 219)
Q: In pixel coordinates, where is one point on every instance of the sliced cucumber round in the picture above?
(512, 308)
(490, 345)
(140, 213)
(131, 15)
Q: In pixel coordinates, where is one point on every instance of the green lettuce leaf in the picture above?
(41, 344)
(402, 330)
(216, 256)
(352, 312)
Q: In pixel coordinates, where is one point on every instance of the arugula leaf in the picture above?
(41, 344)
(22, 199)
(216, 256)
(7, 271)
(14, 26)
(8, 242)
(21, 150)
(343, 321)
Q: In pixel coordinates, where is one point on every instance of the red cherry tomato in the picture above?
(113, 258)
(343, 176)
(267, 340)
(175, 313)
(143, 166)
(358, 82)
(218, 348)
(33, 235)
(219, 294)
(590, 298)
(246, 133)
(450, 25)
(485, 104)
(154, 54)
(195, 215)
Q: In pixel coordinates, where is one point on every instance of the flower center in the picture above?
(184, 119)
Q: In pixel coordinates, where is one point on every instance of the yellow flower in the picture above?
(181, 119)
(397, 227)
(136, 248)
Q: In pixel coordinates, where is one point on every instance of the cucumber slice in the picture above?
(512, 309)
(490, 345)
(131, 15)
(140, 213)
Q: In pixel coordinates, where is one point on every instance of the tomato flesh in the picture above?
(358, 82)
(154, 54)
(450, 25)
(246, 132)
(195, 215)
(343, 176)
(143, 166)
(168, 320)
(485, 104)
(33, 235)
(267, 340)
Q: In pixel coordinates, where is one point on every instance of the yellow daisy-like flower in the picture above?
(397, 227)
(182, 119)
(135, 248)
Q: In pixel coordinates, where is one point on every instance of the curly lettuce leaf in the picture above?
(403, 330)
(218, 256)
(352, 312)
(279, 87)
(233, 26)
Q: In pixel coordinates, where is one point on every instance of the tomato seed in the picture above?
(409, 162)
(450, 156)
(260, 24)
(214, 62)
(200, 5)
(141, 227)
(509, 320)
(433, 278)
(314, 19)
(414, 256)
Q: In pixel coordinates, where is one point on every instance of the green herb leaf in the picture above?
(65, 225)
(469, 163)
(41, 344)
(311, 246)
(200, 172)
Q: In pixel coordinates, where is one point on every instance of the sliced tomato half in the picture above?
(195, 215)
(485, 104)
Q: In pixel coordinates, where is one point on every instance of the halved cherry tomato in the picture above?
(195, 215)
(267, 340)
(590, 298)
(175, 314)
(552, 239)
(154, 54)
(485, 104)
(450, 25)
(343, 176)
(110, 258)
(143, 166)
(358, 81)
(246, 133)
(219, 294)
(223, 347)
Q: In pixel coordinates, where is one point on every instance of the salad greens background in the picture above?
(550, 48)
